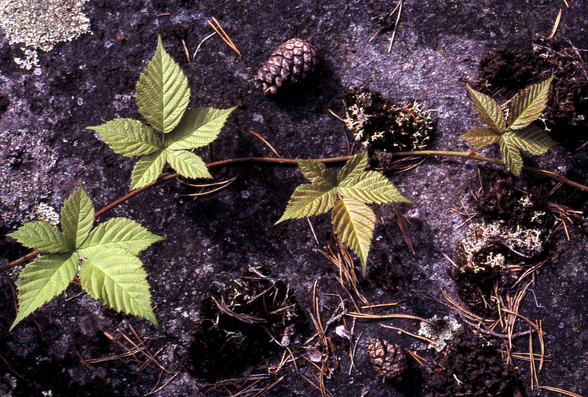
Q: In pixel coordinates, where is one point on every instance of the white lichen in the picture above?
(39, 25)
(439, 331)
(485, 239)
(47, 213)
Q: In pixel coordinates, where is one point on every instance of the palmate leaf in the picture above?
(310, 199)
(120, 233)
(77, 218)
(147, 169)
(117, 279)
(481, 136)
(488, 110)
(162, 91)
(43, 279)
(187, 164)
(198, 128)
(531, 139)
(353, 167)
(511, 155)
(354, 223)
(40, 236)
(129, 137)
(371, 187)
(528, 105)
(316, 172)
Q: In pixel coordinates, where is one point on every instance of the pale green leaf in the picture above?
(316, 172)
(187, 164)
(353, 167)
(40, 236)
(531, 139)
(371, 187)
(77, 218)
(488, 110)
(481, 137)
(310, 199)
(43, 279)
(511, 155)
(129, 137)
(354, 223)
(147, 169)
(162, 91)
(119, 233)
(528, 105)
(198, 128)
(118, 280)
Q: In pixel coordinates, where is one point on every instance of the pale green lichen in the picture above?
(483, 240)
(30, 59)
(440, 331)
(40, 24)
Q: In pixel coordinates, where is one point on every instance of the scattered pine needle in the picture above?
(400, 330)
(186, 50)
(200, 45)
(561, 391)
(223, 35)
(395, 27)
(555, 25)
(266, 142)
(385, 316)
(417, 358)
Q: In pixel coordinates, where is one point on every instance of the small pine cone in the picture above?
(389, 360)
(290, 63)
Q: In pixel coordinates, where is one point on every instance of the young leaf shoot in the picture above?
(162, 98)
(347, 195)
(517, 132)
(109, 271)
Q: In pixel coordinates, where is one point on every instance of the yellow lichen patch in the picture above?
(42, 24)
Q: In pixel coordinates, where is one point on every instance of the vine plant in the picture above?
(105, 258)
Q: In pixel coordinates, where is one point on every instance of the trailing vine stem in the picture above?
(470, 155)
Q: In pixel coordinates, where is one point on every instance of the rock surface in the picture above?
(46, 152)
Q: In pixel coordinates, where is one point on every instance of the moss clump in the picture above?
(470, 366)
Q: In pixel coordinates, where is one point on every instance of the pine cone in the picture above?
(290, 63)
(389, 360)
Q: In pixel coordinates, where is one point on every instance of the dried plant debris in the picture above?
(470, 366)
(379, 124)
(506, 71)
(243, 323)
(389, 359)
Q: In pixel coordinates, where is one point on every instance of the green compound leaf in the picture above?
(129, 137)
(481, 137)
(353, 167)
(528, 105)
(371, 187)
(488, 110)
(310, 199)
(316, 172)
(198, 128)
(354, 225)
(531, 139)
(187, 164)
(147, 169)
(40, 236)
(511, 155)
(120, 233)
(77, 218)
(43, 279)
(162, 91)
(117, 279)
